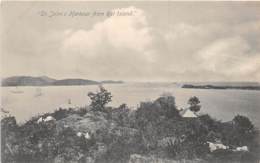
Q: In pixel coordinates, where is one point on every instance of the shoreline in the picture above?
(190, 86)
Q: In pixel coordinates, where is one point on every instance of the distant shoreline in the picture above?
(16, 81)
(190, 86)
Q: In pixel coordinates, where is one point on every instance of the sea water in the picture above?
(220, 104)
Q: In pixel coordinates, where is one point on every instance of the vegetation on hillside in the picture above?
(249, 87)
(154, 130)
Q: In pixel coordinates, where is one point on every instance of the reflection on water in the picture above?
(222, 104)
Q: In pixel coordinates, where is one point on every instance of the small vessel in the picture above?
(17, 90)
(69, 101)
(38, 92)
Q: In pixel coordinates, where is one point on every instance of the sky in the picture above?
(148, 41)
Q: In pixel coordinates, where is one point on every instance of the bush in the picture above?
(82, 111)
(120, 149)
(152, 111)
(194, 104)
(243, 124)
(33, 142)
(60, 113)
(121, 115)
(243, 132)
(142, 131)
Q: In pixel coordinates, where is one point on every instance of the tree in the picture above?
(100, 99)
(194, 104)
(243, 132)
(243, 123)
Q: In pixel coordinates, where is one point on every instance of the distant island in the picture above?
(221, 87)
(112, 82)
(47, 81)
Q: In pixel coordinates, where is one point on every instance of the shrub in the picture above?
(60, 114)
(121, 147)
(243, 132)
(152, 111)
(82, 111)
(194, 104)
(33, 142)
(167, 105)
(243, 124)
(121, 115)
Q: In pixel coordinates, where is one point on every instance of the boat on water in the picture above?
(69, 101)
(17, 90)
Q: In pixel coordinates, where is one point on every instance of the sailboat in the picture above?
(38, 92)
(17, 90)
(69, 101)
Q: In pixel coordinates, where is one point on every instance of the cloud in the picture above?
(118, 45)
(126, 32)
(212, 49)
(230, 57)
(204, 42)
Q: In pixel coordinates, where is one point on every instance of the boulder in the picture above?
(243, 148)
(215, 146)
(40, 120)
(49, 118)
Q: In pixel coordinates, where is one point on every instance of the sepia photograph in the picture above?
(130, 81)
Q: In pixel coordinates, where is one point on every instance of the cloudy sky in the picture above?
(156, 41)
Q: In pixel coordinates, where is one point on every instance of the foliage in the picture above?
(194, 104)
(128, 132)
(120, 148)
(122, 115)
(151, 112)
(33, 142)
(243, 124)
(100, 99)
(243, 131)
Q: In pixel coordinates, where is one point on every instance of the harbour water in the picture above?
(221, 104)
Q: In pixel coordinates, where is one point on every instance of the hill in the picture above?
(74, 82)
(244, 87)
(27, 81)
(47, 81)
(112, 82)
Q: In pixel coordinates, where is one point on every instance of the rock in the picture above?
(87, 136)
(91, 122)
(68, 122)
(215, 146)
(79, 134)
(243, 148)
(40, 120)
(49, 118)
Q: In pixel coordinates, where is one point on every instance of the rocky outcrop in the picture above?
(101, 129)
(90, 122)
